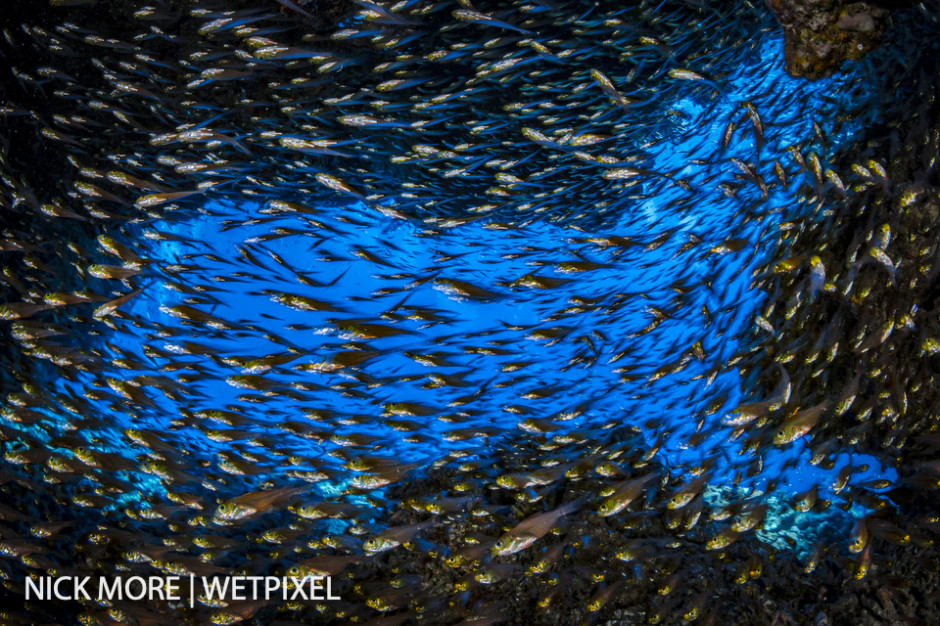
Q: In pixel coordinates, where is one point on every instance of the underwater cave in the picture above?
(524, 312)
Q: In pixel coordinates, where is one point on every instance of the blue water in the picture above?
(532, 341)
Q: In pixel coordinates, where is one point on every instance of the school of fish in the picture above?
(228, 408)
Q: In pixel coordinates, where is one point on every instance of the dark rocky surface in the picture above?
(822, 34)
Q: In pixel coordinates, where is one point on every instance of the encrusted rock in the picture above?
(819, 35)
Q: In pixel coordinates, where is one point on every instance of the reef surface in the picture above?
(821, 35)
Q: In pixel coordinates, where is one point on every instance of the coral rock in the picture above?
(820, 35)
